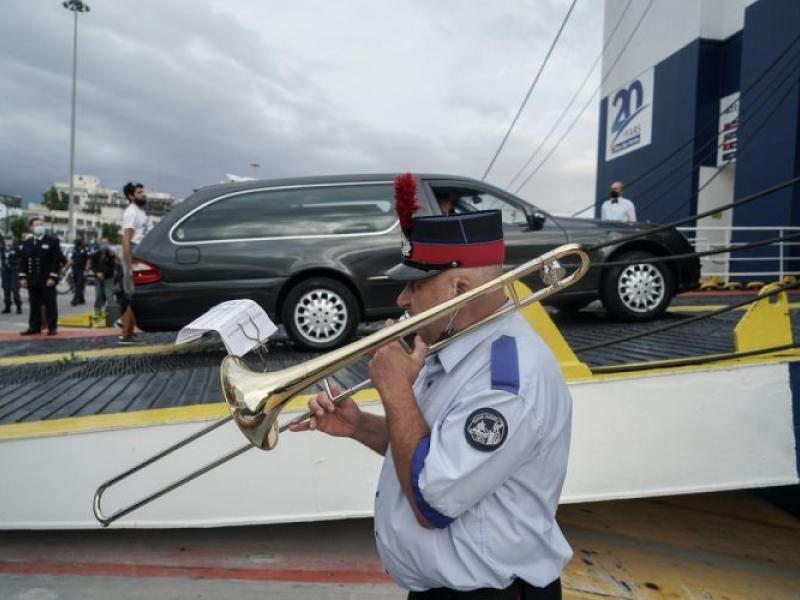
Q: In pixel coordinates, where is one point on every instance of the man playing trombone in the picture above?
(475, 437)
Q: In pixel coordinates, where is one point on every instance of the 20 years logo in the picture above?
(629, 117)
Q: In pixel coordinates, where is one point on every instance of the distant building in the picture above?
(11, 201)
(96, 206)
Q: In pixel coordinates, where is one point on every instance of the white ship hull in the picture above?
(715, 427)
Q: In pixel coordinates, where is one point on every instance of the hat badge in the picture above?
(405, 245)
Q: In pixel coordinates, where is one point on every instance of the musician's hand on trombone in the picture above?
(340, 420)
(393, 367)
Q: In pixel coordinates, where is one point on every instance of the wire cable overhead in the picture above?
(530, 90)
(588, 102)
(572, 100)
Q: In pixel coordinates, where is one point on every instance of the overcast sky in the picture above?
(176, 93)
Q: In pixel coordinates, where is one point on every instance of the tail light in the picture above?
(144, 273)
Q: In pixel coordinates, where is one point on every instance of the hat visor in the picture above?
(403, 272)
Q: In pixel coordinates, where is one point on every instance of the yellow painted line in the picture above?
(698, 308)
(144, 418)
(10, 361)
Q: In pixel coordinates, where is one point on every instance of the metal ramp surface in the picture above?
(71, 387)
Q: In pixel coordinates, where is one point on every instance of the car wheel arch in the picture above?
(299, 276)
(638, 245)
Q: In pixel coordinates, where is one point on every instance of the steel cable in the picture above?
(530, 91)
(585, 106)
(749, 89)
(572, 100)
(694, 319)
(690, 361)
(723, 250)
(712, 150)
(708, 213)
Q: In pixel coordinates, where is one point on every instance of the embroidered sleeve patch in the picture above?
(486, 429)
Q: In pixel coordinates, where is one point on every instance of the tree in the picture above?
(17, 226)
(111, 232)
(55, 201)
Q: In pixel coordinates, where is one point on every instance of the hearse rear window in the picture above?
(348, 209)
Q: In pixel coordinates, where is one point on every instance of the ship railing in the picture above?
(773, 262)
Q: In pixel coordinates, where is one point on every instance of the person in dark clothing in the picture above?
(9, 273)
(40, 266)
(79, 258)
(103, 263)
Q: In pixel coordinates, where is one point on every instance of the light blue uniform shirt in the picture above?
(489, 477)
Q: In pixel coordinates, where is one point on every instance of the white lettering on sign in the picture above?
(629, 117)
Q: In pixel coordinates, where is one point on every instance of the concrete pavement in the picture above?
(723, 545)
(14, 322)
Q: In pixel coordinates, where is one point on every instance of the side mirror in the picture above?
(536, 220)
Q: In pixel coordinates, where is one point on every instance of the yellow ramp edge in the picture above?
(145, 418)
(766, 323)
(76, 355)
(571, 367)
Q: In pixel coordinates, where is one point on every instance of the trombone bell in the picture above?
(244, 402)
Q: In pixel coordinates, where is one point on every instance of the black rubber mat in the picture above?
(69, 388)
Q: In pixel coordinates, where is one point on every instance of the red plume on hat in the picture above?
(405, 199)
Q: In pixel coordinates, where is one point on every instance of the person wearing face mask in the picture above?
(617, 208)
(103, 263)
(9, 273)
(475, 437)
(135, 225)
(40, 268)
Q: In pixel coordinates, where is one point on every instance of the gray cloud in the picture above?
(178, 93)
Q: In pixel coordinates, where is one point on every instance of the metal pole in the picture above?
(71, 224)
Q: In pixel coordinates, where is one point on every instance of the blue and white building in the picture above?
(699, 107)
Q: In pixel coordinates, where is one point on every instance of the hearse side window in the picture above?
(296, 212)
(469, 200)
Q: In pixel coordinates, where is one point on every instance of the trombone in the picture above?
(256, 399)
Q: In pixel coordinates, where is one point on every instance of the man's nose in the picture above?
(404, 299)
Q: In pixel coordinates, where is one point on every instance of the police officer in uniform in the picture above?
(475, 437)
(9, 273)
(40, 264)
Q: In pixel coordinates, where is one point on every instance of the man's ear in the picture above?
(462, 284)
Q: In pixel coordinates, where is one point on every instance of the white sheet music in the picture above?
(242, 325)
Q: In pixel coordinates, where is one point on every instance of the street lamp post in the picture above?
(76, 6)
(255, 166)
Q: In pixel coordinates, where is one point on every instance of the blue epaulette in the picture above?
(505, 364)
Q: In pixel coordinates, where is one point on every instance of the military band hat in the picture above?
(432, 244)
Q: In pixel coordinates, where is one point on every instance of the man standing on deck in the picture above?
(135, 225)
(476, 437)
(617, 208)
